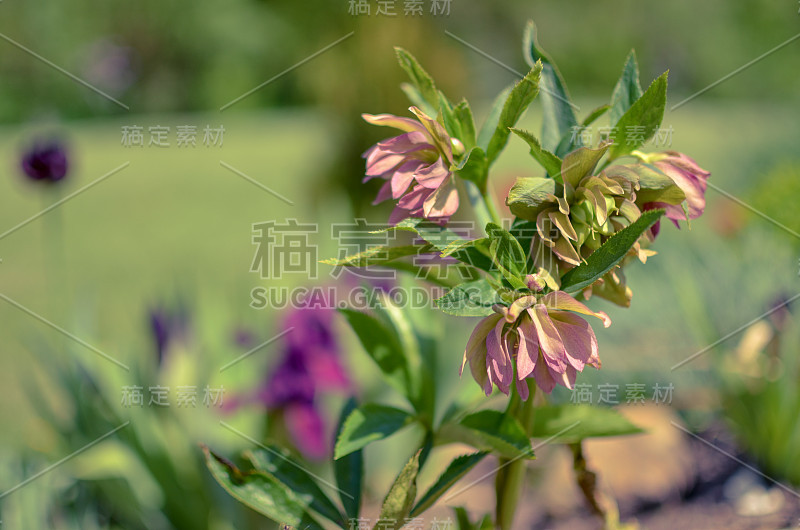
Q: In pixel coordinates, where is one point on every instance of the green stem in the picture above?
(482, 204)
(511, 476)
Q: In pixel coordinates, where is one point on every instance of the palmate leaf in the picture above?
(262, 492)
(398, 502)
(369, 423)
(572, 423)
(454, 472)
(609, 254)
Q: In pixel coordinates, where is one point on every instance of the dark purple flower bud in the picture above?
(167, 326)
(45, 162)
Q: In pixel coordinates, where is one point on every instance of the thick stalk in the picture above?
(510, 477)
(482, 204)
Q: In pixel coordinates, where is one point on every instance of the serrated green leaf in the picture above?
(579, 422)
(550, 162)
(419, 77)
(282, 465)
(491, 430)
(529, 196)
(448, 117)
(609, 254)
(416, 99)
(642, 120)
(508, 255)
(558, 117)
(398, 502)
(367, 424)
(515, 105)
(349, 470)
(472, 299)
(464, 116)
(628, 89)
(490, 125)
(594, 114)
(454, 472)
(262, 492)
(382, 345)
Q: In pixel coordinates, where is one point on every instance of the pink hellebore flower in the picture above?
(542, 335)
(417, 167)
(689, 177)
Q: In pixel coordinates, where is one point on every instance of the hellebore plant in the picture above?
(593, 211)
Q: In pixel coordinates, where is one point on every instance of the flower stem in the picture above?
(510, 477)
(483, 205)
(601, 504)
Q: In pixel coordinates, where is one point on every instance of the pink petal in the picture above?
(405, 143)
(562, 301)
(443, 202)
(402, 177)
(578, 337)
(433, 175)
(398, 122)
(522, 389)
(475, 353)
(528, 349)
(436, 132)
(542, 375)
(549, 340)
(380, 162)
(307, 430)
(384, 193)
(414, 199)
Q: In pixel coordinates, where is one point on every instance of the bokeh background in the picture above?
(170, 233)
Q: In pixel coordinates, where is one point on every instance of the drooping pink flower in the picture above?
(690, 178)
(417, 166)
(537, 336)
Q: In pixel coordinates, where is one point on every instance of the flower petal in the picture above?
(579, 339)
(549, 340)
(527, 350)
(398, 122)
(559, 300)
(443, 202)
(433, 175)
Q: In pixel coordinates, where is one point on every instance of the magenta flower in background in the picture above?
(45, 162)
(417, 166)
(690, 178)
(310, 365)
(542, 337)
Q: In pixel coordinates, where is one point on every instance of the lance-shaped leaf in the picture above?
(490, 124)
(454, 472)
(472, 299)
(491, 430)
(349, 470)
(642, 120)
(628, 89)
(573, 423)
(262, 492)
(654, 185)
(581, 162)
(609, 254)
(529, 196)
(558, 117)
(573, 139)
(515, 105)
(383, 345)
(368, 424)
(508, 255)
(280, 463)
(464, 116)
(419, 77)
(550, 162)
(448, 117)
(398, 502)
(378, 255)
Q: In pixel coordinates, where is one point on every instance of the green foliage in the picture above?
(420, 79)
(515, 105)
(471, 299)
(454, 472)
(508, 255)
(262, 492)
(491, 430)
(572, 423)
(369, 423)
(641, 120)
(609, 254)
(349, 470)
(550, 162)
(628, 89)
(398, 502)
(529, 196)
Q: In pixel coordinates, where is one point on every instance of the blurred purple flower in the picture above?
(167, 326)
(45, 162)
(690, 178)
